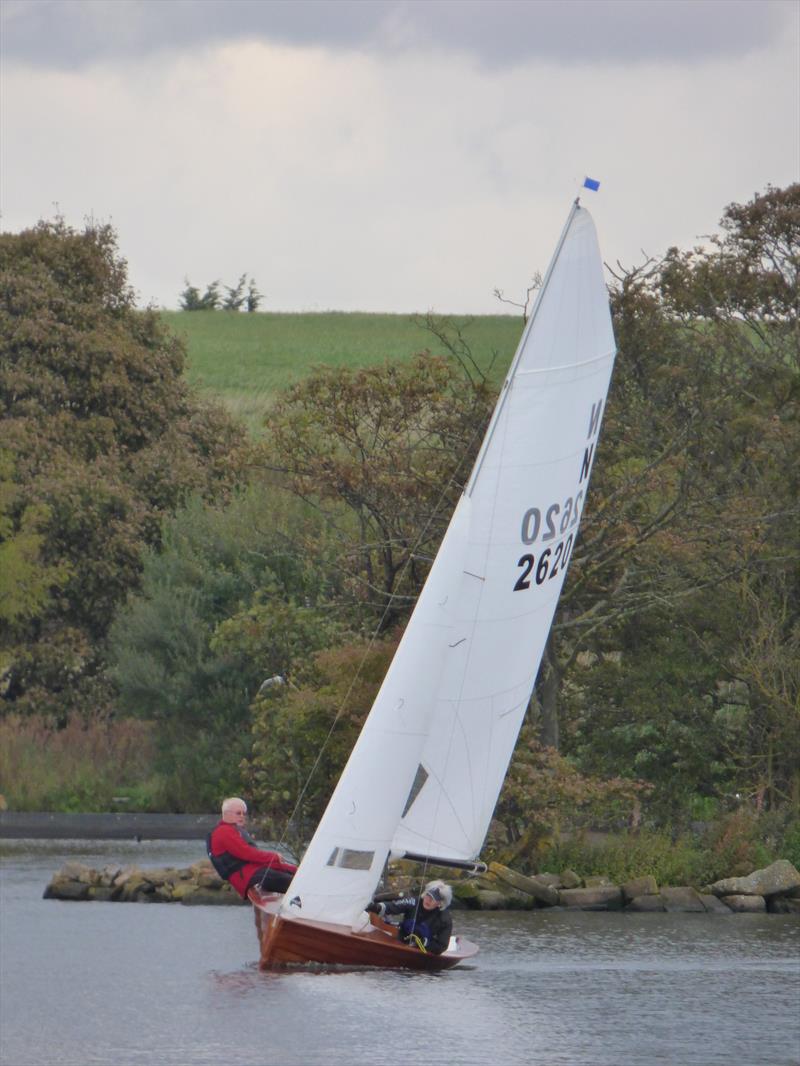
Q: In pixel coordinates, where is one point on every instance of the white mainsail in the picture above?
(426, 771)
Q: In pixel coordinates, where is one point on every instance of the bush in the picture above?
(790, 843)
(623, 856)
(733, 846)
(740, 843)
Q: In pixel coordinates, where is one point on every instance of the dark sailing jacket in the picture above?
(434, 927)
(236, 858)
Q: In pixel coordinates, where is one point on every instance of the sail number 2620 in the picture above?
(558, 522)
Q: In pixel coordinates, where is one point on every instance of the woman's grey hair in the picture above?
(441, 892)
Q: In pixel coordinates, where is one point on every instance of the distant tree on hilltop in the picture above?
(236, 295)
(254, 297)
(212, 300)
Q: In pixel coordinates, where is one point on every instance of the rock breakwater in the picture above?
(773, 890)
(196, 884)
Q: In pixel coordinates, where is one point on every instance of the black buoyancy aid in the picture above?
(226, 864)
(415, 927)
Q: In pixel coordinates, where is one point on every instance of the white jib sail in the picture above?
(426, 771)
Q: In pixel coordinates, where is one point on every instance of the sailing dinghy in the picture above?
(425, 773)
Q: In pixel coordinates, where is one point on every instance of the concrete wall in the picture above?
(35, 825)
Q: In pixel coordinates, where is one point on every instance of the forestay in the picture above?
(425, 773)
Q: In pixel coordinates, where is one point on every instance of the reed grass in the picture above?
(83, 766)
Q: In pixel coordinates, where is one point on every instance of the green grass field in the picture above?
(245, 359)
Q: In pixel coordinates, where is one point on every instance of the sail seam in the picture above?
(565, 366)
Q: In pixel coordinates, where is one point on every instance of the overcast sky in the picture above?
(390, 155)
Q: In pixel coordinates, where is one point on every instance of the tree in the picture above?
(190, 299)
(236, 295)
(701, 418)
(254, 297)
(304, 733)
(745, 292)
(694, 502)
(27, 585)
(101, 438)
(751, 270)
(211, 298)
(223, 605)
(383, 452)
(766, 660)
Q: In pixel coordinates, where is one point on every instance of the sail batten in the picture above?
(426, 772)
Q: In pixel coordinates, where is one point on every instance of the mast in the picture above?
(498, 410)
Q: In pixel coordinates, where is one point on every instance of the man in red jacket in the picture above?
(236, 858)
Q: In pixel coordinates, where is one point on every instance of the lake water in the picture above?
(166, 985)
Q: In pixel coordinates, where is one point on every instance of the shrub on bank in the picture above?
(729, 847)
(623, 856)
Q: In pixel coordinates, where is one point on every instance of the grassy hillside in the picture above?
(244, 360)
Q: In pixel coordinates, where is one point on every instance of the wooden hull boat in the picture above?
(298, 941)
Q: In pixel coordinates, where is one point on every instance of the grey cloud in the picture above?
(74, 33)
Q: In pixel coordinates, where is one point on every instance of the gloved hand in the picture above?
(375, 908)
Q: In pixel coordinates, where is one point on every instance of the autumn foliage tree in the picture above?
(383, 452)
(691, 534)
(303, 733)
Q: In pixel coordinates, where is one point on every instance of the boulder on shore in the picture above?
(531, 886)
(680, 900)
(783, 905)
(104, 893)
(553, 880)
(647, 904)
(74, 881)
(713, 904)
(746, 904)
(607, 898)
(569, 879)
(778, 879)
(60, 888)
(639, 886)
(489, 893)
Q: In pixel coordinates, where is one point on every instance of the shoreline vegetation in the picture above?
(772, 890)
(204, 516)
(585, 859)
